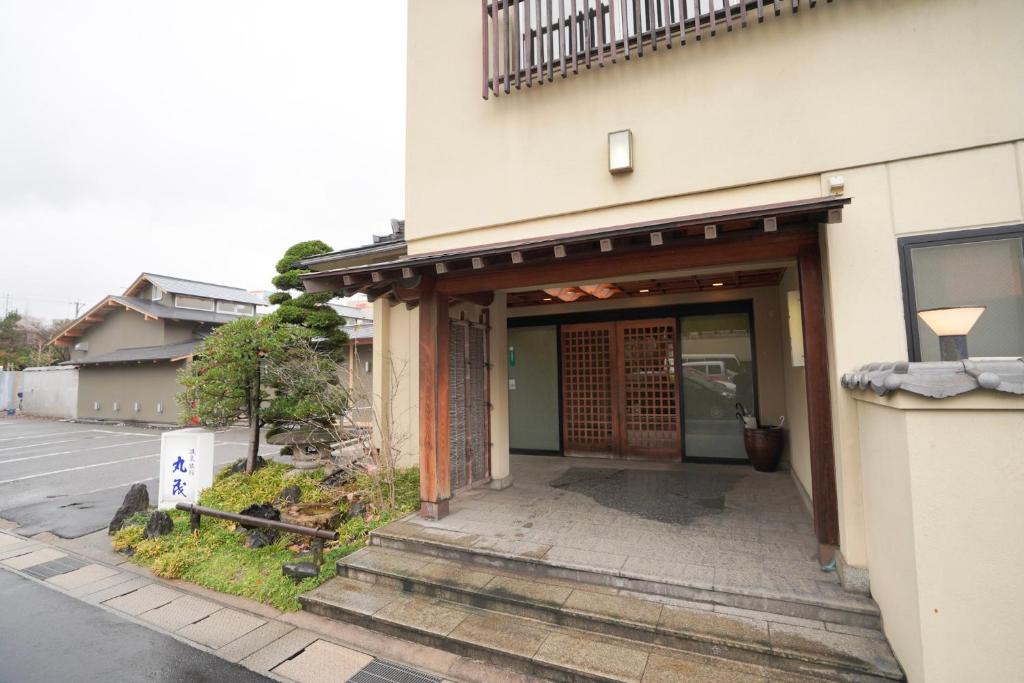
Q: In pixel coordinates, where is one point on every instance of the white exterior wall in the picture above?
(51, 392)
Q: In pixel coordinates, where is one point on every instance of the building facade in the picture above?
(129, 348)
(621, 224)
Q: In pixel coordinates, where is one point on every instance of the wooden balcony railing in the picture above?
(529, 41)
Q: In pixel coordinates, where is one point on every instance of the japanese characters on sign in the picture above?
(186, 466)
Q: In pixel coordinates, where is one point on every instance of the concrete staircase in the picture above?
(512, 613)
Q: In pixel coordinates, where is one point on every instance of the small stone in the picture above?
(261, 538)
(355, 509)
(300, 570)
(239, 465)
(159, 524)
(136, 500)
(290, 495)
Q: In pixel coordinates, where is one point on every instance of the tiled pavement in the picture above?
(712, 527)
(296, 647)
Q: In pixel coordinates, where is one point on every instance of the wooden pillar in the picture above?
(819, 406)
(435, 460)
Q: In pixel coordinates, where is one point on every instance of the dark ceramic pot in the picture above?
(764, 447)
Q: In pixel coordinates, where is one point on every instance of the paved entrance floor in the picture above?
(723, 528)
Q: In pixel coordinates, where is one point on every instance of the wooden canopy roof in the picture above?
(719, 237)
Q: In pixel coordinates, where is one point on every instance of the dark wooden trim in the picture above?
(906, 244)
(696, 254)
(435, 459)
(819, 406)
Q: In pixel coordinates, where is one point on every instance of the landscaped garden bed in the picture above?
(218, 557)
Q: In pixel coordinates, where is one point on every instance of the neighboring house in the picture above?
(128, 348)
(358, 367)
(613, 237)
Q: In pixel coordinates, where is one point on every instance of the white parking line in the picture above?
(80, 467)
(77, 450)
(36, 436)
(54, 443)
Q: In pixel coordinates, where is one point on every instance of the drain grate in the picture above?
(61, 565)
(381, 671)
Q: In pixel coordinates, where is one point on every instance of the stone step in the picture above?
(776, 641)
(552, 651)
(830, 603)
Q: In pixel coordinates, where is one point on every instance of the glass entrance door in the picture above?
(718, 371)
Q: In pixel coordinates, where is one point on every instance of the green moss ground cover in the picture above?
(217, 558)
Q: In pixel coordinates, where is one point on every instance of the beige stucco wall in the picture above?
(875, 91)
(944, 516)
(120, 329)
(843, 85)
(148, 383)
(794, 382)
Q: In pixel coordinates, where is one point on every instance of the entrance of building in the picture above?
(657, 388)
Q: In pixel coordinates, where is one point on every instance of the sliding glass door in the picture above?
(718, 371)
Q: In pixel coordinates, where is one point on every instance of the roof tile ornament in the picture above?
(939, 379)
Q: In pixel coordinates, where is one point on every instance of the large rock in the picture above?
(262, 510)
(260, 538)
(159, 524)
(136, 500)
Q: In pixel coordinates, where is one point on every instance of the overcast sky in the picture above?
(191, 138)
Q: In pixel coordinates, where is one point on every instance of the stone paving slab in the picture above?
(272, 654)
(866, 654)
(16, 549)
(47, 570)
(502, 633)
(8, 539)
(33, 558)
(254, 640)
(599, 657)
(180, 612)
(144, 599)
(85, 576)
(730, 630)
(431, 616)
(323, 661)
(221, 628)
(114, 579)
(129, 585)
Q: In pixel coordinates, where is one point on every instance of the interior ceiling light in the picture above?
(644, 291)
(717, 284)
(601, 291)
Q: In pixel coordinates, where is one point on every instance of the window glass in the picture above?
(235, 308)
(984, 273)
(193, 302)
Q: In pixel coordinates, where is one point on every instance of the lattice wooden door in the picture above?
(619, 390)
(649, 396)
(588, 389)
(468, 430)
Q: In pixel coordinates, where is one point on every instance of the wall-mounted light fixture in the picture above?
(952, 324)
(620, 152)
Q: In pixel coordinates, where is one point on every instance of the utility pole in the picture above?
(78, 305)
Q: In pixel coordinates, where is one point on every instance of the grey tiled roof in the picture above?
(351, 312)
(177, 285)
(142, 353)
(358, 331)
(169, 313)
(941, 379)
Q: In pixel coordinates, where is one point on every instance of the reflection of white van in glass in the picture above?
(721, 367)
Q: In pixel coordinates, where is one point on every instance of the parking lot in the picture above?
(69, 478)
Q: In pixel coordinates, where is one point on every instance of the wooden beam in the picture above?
(484, 299)
(435, 459)
(819, 411)
(728, 249)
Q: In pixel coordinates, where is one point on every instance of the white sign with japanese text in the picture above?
(186, 466)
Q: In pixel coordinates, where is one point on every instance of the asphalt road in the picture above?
(58, 638)
(69, 478)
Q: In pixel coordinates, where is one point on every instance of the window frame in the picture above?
(939, 239)
(179, 297)
(249, 312)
